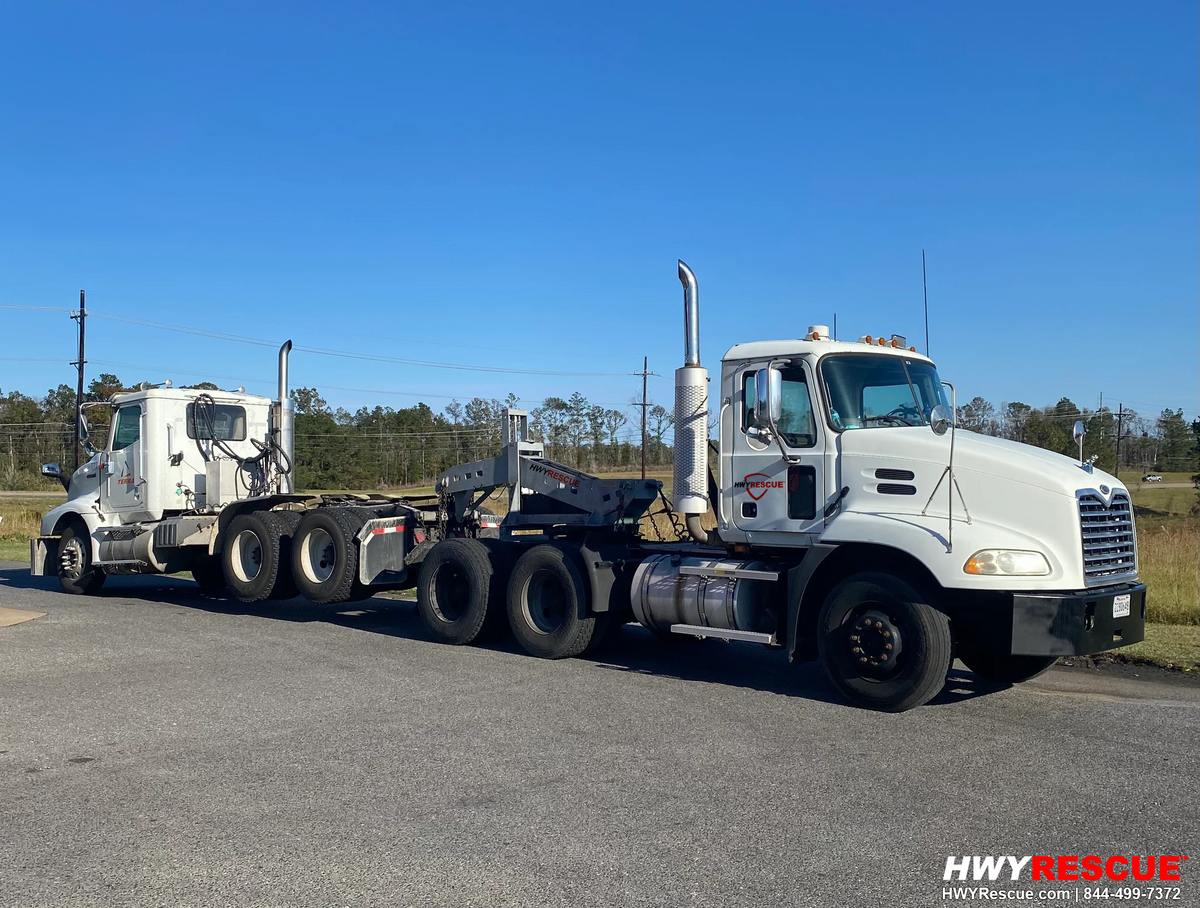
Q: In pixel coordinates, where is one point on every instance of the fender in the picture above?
(797, 583)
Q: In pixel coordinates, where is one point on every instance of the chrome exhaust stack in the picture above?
(691, 415)
(283, 425)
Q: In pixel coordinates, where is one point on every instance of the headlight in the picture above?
(1007, 562)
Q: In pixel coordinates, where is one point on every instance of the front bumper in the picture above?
(1068, 623)
(1077, 623)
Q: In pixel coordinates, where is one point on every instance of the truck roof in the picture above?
(221, 397)
(802, 347)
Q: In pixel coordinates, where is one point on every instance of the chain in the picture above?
(681, 533)
(445, 503)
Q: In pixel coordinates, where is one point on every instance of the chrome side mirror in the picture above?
(768, 397)
(54, 471)
(1078, 431)
(939, 419)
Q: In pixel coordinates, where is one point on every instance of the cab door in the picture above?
(121, 488)
(771, 494)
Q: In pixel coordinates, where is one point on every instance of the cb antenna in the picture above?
(925, 287)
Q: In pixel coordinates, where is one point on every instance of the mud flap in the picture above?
(43, 556)
(381, 550)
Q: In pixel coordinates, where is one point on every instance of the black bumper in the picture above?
(1077, 624)
(1047, 624)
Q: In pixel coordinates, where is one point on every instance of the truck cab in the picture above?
(850, 455)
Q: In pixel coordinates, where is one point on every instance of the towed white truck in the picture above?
(849, 523)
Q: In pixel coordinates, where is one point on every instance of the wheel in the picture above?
(460, 590)
(76, 573)
(250, 557)
(548, 605)
(285, 583)
(209, 574)
(325, 555)
(883, 646)
(1006, 669)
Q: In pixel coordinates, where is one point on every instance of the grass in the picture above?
(1174, 646)
(1154, 505)
(22, 520)
(1169, 565)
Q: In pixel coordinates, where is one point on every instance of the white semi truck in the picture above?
(853, 525)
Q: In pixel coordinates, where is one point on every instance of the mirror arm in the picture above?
(787, 458)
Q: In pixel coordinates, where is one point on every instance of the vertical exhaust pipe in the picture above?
(283, 418)
(691, 415)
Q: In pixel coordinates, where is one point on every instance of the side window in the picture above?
(126, 427)
(224, 422)
(747, 399)
(796, 422)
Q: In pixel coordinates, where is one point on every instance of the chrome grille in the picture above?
(1108, 542)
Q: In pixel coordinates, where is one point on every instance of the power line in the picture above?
(347, 354)
(36, 308)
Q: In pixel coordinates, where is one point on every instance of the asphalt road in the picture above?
(174, 750)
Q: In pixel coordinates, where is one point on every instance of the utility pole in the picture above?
(645, 374)
(81, 317)
(1117, 440)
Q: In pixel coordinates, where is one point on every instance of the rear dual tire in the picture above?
(460, 591)
(325, 556)
(254, 558)
(548, 607)
(469, 590)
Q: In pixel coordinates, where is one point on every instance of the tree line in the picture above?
(382, 447)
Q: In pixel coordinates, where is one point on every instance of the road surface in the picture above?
(159, 748)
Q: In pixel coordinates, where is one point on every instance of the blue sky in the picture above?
(510, 185)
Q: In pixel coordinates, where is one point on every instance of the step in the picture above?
(697, 630)
(693, 570)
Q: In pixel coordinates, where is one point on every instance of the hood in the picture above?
(996, 458)
(1019, 462)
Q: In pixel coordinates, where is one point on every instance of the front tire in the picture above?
(1007, 669)
(76, 572)
(882, 644)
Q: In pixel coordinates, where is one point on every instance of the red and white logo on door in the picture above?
(757, 484)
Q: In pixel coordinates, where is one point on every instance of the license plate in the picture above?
(1121, 605)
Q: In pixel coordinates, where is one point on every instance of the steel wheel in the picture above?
(545, 603)
(318, 555)
(247, 557)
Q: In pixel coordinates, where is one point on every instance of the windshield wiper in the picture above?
(913, 389)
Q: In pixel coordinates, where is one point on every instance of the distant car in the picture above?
(1151, 477)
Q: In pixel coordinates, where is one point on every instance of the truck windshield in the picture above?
(869, 391)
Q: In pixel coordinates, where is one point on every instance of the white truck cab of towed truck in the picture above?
(152, 499)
